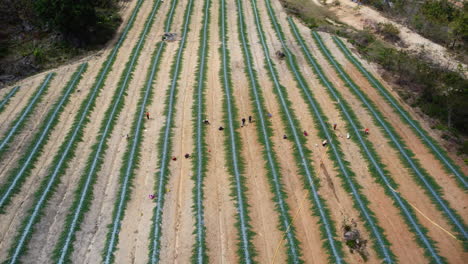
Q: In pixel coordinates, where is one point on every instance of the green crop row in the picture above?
(84, 193)
(378, 169)
(407, 157)
(26, 163)
(449, 165)
(302, 155)
(199, 254)
(349, 183)
(6, 100)
(47, 186)
(165, 139)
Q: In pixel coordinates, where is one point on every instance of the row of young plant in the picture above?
(44, 191)
(132, 155)
(67, 149)
(327, 226)
(84, 193)
(381, 244)
(16, 176)
(407, 157)
(377, 170)
(233, 144)
(6, 100)
(26, 113)
(199, 161)
(165, 141)
(264, 134)
(449, 165)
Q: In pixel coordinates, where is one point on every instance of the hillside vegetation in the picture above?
(437, 91)
(39, 34)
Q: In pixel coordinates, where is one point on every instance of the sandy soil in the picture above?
(405, 132)
(178, 221)
(348, 13)
(221, 234)
(136, 225)
(90, 240)
(414, 193)
(21, 203)
(453, 192)
(177, 235)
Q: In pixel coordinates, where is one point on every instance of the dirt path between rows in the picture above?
(220, 211)
(137, 223)
(178, 223)
(398, 172)
(22, 201)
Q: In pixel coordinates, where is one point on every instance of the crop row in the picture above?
(82, 195)
(381, 244)
(438, 152)
(235, 162)
(27, 161)
(6, 100)
(199, 254)
(352, 124)
(301, 154)
(165, 143)
(265, 133)
(25, 113)
(132, 155)
(15, 176)
(431, 187)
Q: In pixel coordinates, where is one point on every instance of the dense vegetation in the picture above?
(442, 21)
(40, 34)
(82, 22)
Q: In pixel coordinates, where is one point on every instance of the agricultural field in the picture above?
(93, 165)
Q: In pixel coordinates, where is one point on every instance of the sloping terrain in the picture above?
(240, 138)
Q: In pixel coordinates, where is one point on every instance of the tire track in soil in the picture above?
(410, 191)
(220, 210)
(178, 237)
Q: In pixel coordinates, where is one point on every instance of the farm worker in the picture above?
(151, 196)
(347, 135)
(366, 131)
(187, 156)
(243, 121)
(334, 126)
(147, 115)
(221, 128)
(269, 115)
(206, 122)
(285, 137)
(250, 119)
(174, 158)
(305, 133)
(324, 143)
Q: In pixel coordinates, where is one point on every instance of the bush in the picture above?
(389, 31)
(82, 22)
